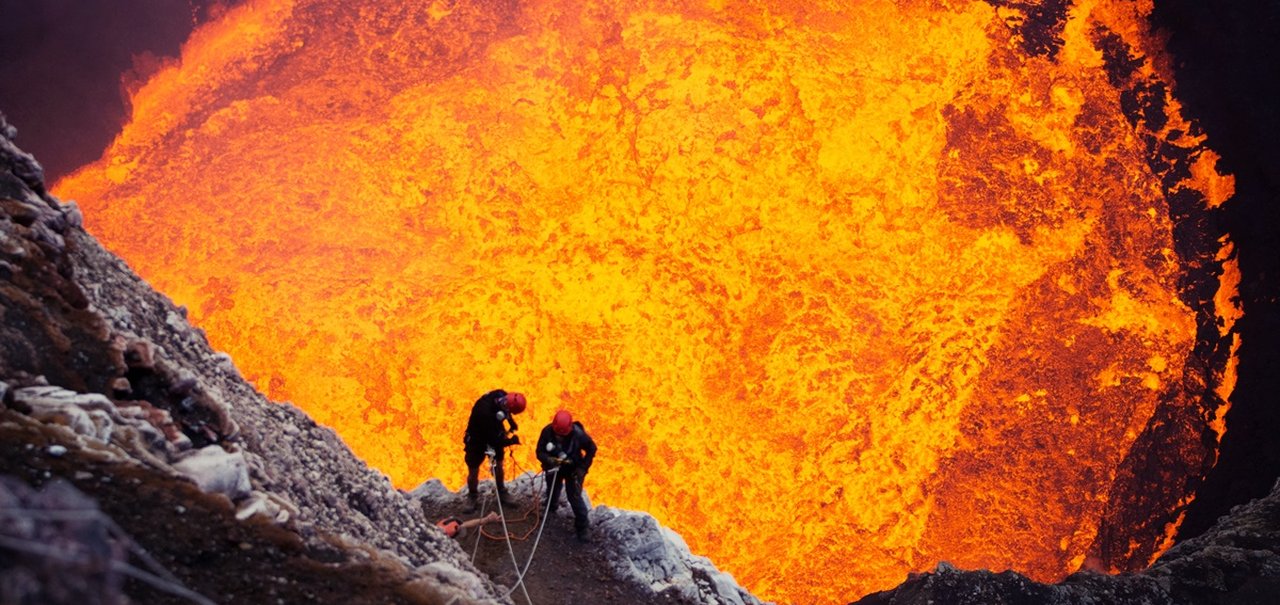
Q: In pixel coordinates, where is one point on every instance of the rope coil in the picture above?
(508, 537)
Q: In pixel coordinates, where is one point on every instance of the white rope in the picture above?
(479, 533)
(493, 468)
(543, 524)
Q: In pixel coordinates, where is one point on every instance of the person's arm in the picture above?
(501, 420)
(544, 454)
(513, 439)
(511, 421)
(497, 402)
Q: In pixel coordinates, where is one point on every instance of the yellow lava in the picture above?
(836, 286)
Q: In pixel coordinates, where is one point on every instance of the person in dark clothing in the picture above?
(566, 452)
(490, 429)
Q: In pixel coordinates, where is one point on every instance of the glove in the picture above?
(561, 460)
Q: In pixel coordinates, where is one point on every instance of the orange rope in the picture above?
(533, 510)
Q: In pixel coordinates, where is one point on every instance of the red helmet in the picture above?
(515, 402)
(562, 424)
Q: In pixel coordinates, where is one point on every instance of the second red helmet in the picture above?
(562, 424)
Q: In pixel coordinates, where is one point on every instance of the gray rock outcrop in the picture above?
(1237, 562)
(104, 382)
(110, 400)
(654, 556)
(106, 387)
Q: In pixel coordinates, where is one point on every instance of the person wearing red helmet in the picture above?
(566, 452)
(490, 429)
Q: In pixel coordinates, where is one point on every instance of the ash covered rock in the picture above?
(60, 548)
(1236, 562)
(649, 562)
(946, 584)
(106, 386)
(654, 556)
(17, 162)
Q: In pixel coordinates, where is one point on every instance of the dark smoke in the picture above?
(1226, 64)
(62, 64)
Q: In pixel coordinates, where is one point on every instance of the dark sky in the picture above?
(62, 62)
(1228, 77)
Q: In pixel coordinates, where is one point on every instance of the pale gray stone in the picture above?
(216, 470)
(89, 414)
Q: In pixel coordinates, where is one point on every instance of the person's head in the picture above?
(562, 423)
(515, 402)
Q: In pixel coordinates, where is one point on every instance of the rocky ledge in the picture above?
(137, 465)
(1237, 562)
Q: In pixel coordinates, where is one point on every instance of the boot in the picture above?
(581, 534)
(503, 497)
(473, 491)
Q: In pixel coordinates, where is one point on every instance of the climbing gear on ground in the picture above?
(449, 526)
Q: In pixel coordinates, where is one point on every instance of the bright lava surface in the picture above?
(856, 286)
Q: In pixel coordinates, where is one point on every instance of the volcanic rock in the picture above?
(66, 554)
(1236, 562)
(232, 494)
(113, 405)
(111, 399)
(653, 561)
(655, 556)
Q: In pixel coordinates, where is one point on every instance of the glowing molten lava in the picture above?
(886, 285)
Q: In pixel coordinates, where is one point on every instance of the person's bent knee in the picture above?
(474, 459)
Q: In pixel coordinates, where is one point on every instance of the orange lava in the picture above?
(854, 289)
